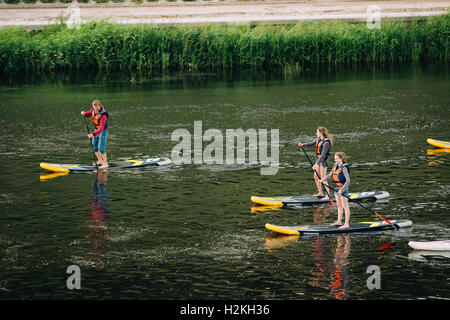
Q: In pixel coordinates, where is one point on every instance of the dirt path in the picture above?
(164, 13)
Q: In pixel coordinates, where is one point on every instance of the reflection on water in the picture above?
(384, 248)
(341, 275)
(321, 213)
(433, 257)
(330, 255)
(437, 156)
(336, 274)
(52, 175)
(99, 215)
(276, 241)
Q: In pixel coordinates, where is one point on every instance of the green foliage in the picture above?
(111, 47)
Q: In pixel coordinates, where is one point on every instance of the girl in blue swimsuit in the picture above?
(341, 178)
(322, 144)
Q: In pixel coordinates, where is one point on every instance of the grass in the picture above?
(109, 47)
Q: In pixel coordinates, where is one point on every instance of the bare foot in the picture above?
(318, 195)
(103, 166)
(345, 226)
(337, 223)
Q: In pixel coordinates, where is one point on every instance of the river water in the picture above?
(188, 231)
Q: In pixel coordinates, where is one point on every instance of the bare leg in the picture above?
(99, 158)
(340, 209)
(105, 159)
(317, 181)
(347, 212)
(323, 173)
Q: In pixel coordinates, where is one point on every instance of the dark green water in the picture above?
(188, 231)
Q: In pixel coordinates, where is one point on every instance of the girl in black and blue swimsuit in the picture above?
(322, 144)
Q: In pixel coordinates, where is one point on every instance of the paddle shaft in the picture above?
(90, 140)
(312, 166)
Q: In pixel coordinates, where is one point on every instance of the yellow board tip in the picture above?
(266, 202)
(49, 167)
(438, 143)
(282, 230)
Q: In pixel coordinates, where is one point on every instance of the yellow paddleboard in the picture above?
(139, 163)
(307, 200)
(329, 229)
(439, 143)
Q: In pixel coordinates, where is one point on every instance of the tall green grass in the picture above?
(111, 47)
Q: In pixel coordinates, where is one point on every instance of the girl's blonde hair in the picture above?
(97, 103)
(326, 134)
(342, 156)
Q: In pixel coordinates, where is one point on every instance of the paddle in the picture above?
(312, 166)
(90, 140)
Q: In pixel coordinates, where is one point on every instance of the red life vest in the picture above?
(96, 118)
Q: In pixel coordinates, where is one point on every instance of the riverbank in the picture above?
(109, 47)
(226, 12)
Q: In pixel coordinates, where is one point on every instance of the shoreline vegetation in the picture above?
(109, 47)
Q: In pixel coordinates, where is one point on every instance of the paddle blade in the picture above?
(386, 220)
(332, 203)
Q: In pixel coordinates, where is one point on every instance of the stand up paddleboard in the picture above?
(126, 164)
(443, 245)
(439, 143)
(329, 229)
(295, 201)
